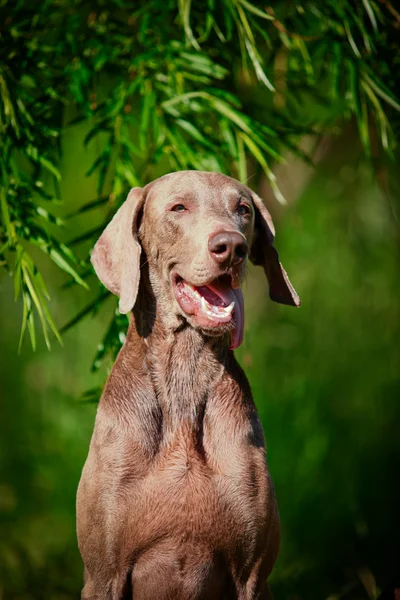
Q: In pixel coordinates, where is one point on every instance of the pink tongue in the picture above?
(229, 295)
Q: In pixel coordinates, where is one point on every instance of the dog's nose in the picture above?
(228, 248)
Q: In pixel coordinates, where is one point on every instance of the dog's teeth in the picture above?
(226, 310)
(229, 309)
(215, 311)
(206, 307)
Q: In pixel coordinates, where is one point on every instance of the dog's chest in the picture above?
(191, 470)
(206, 485)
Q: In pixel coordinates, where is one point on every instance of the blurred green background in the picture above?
(326, 377)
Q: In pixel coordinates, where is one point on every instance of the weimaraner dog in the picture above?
(175, 500)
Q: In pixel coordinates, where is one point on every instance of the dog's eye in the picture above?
(243, 210)
(178, 208)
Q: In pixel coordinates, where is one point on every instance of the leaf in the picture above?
(18, 273)
(194, 133)
(49, 217)
(231, 114)
(184, 9)
(31, 328)
(93, 395)
(35, 155)
(60, 261)
(381, 117)
(102, 126)
(89, 206)
(92, 233)
(71, 282)
(245, 25)
(226, 96)
(246, 34)
(257, 66)
(78, 119)
(36, 294)
(178, 149)
(351, 40)
(378, 90)
(228, 136)
(261, 160)
(102, 159)
(256, 11)
(6, 217)
(371, 14)
(242, 166)
(203, 64)
(127, 171)
(23, 326)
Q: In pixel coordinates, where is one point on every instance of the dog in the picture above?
(175, 501)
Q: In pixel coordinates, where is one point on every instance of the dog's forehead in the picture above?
(204, 187)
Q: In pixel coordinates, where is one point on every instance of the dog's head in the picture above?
(196, 231)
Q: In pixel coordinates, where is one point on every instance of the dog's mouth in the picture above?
(215, 307)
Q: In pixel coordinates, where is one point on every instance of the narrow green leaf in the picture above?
(194, 133)
(229, 137)
(31, 328)
(245, 25)
(23, 324)
(60, 261)
(256, 11)
(381, 117)
(17, 274)
(89, 206)
(100, 160)
(101, 126)
(242, 165)
(263, 163)
(257, 65)
(71, 282)
(92, 396)
(6, 217)
(184, 9)
(92, 233)
(231, 114)
(371, 14)
(33, 293)
(382, 93)
(351, 40)
(50, 167)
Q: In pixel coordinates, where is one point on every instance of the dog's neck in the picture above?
(182, 366)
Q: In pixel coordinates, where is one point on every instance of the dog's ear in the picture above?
(263, 253)
(116, 255)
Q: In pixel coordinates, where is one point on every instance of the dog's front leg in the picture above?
(108, 590)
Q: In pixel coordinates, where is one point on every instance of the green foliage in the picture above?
(326, 380)
(228, 86)
(172, 85)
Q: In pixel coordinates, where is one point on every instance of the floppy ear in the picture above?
(263, 253)
(116, 255)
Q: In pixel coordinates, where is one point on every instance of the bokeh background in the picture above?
(326, 376)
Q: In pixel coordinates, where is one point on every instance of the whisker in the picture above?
(246, 180)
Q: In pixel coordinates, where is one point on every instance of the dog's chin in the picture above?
(214, 308)
(213, 330)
